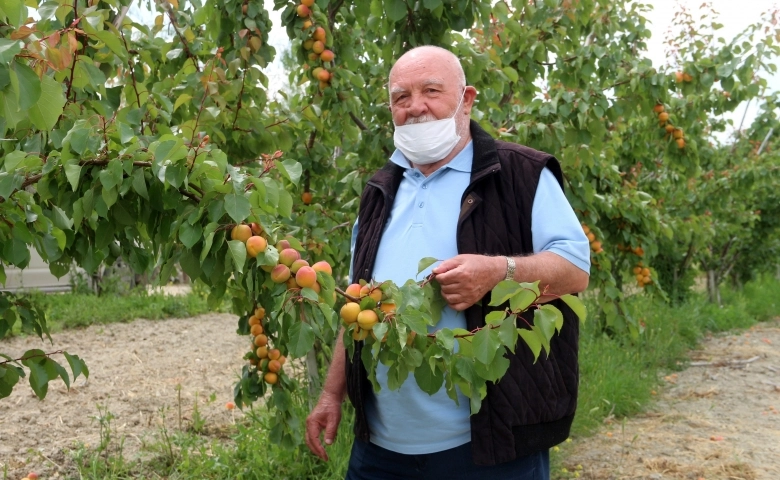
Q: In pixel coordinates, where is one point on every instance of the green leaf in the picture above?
(576, 305)
(191, 234)
(425, 263)
(507, 333)
(428, 378)
(39, 377)
(531, 339)
(445, 337)
(503, 291)
(290, 169)
(495, 317)
(12, 159)
(237, 252)
(183, 98)
(9, 376)
(113, 43)
(416, 321)
(511, 73)
(47, 110)
(26, 84)
(77, 365)
(73, 173)
(545, 318)
(301, 339)
(522, 300)
(9, 182)
(485, 344)
(15, 11)
(9, 48)
(139, 184)
(395, 9)
(237, 206)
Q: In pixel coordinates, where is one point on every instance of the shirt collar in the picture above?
(461, 162)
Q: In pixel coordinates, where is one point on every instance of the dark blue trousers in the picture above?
(371, 462)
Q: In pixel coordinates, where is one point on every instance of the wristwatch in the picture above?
(510, 268)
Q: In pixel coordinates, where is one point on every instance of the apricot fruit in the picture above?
(367, 319)
(270, 378)
(255, 245)
(306, 277)
(327, 56)
(374, 293)
(359, 334)
(353, 291)
(280, 273)
(288, 256)
(349, 312)
(296, 265)
(323, 266)
(241, 232)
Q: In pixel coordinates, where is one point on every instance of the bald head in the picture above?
(442, 64)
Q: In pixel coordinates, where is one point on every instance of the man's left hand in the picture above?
(465, 279)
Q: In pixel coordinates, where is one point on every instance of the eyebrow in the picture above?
(430, 81)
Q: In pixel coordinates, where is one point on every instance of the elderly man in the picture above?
(494, 211)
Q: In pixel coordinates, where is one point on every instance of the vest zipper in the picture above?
(469, 189)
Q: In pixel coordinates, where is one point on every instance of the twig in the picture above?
(724, 364)
(20, 359)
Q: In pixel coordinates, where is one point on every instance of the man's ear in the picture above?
(469, 95)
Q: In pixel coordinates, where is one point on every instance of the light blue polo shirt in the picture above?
(423, 223)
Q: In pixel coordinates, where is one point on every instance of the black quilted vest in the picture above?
(532, 407)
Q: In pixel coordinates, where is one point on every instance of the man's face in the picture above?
(424, 87)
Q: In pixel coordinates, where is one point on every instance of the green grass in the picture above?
(617, 378)
(72, 310)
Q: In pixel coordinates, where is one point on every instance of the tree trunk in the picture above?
(712, 287)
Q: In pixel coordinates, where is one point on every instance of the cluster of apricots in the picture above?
(316, 44)
(595, 245)
(638, 251)
(663, 121)
(351, 313)
(642, 275)
(252, 236)
(294, 271)
(268, 360)
(290, 269)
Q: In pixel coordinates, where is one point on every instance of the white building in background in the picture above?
(36, 276)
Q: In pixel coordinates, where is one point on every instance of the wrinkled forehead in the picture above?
(422, 70)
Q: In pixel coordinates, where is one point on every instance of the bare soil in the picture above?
(718, 419)
(141, 372)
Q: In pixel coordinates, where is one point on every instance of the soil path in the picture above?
(717, 420)
(135, 369)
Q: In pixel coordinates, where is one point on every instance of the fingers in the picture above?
(331, 428)
(447, 265)
(313, 429)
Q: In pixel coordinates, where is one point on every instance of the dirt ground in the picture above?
(135, 370)
(718, 419)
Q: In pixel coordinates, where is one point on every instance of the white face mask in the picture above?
(428, 142)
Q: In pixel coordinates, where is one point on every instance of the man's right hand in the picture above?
(326, 415)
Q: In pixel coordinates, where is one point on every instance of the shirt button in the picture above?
(425, 187)
(422, 204)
